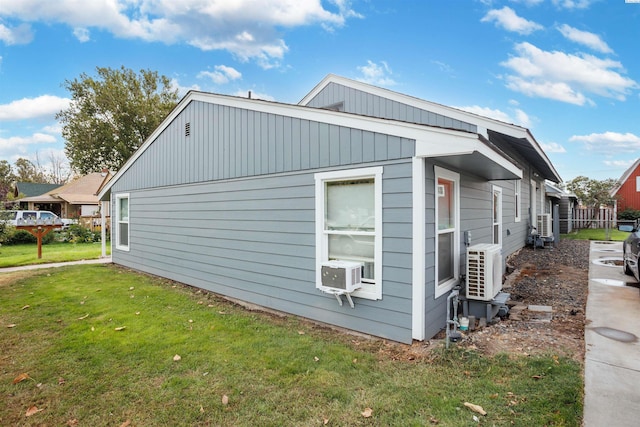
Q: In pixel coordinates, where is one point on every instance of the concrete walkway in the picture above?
(105, 260)
(612, 340)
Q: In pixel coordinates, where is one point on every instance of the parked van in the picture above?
(33, 217)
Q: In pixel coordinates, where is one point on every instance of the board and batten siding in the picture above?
(247, 231)
(227, 143)
(359, 102)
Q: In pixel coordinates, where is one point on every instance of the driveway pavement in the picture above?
(612, 340)
(105, 260)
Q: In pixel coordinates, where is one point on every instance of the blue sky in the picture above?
(569, 70)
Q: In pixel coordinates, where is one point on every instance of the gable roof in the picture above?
(81, 191)
(501, 133)
(33, 188)
(448, 145)
(625, 176)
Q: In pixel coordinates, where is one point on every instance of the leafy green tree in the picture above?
(6, 179)
(26, 171)
(111, 115)
(592, 192)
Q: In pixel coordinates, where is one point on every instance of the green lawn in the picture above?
(596, 234)
(100, 345)
(17, 255)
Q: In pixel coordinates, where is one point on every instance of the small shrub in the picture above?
(13, 236)
(79, 234)
(629, 214)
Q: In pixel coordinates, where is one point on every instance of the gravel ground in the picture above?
(556, 277)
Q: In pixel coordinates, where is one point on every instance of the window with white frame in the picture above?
(122, 222)
(518, 200)
(497, 215)
(638, 183)
(349, 223)
(448, 230)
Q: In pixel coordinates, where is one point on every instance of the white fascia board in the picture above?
(430, 141)
(372, 124)
(480, 121)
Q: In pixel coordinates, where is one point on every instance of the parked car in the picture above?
(26, 217)
(631, 251)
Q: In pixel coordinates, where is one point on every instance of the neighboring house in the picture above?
(30, 189)
(248, 198)
(566, 204)
(627, 190)
(76, 199)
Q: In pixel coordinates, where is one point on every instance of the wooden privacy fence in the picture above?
(593, 218)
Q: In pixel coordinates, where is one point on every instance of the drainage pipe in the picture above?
(453, 295)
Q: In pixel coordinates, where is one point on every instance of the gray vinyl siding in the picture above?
(366, 104)
(231, 209)
(254, 239)
(475, 217)
(227, 143)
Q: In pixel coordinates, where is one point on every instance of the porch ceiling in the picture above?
(527, 149)
(470, 153)
(478, 164)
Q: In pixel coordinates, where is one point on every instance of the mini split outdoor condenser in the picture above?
(484, 271)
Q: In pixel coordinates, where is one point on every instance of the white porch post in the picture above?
(418, 265)
(103, 228)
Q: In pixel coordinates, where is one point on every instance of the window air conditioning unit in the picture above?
(544, 225)
(341, 276)
(484, 271)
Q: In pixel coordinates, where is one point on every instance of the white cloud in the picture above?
(609, 142)
(521, 118)
(621, 164)
(82, 34)
(553, 147)
(18, 35)
(376, 74)
(510, 21)
(28, 108)
(528, 2)
(573, 4)
(182, 90)
(565, 77)
(18, 143)
(592, 41)
(444, 67)
(53, 129)
(246, 28)
(221, 75)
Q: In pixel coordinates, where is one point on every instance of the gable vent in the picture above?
(187, 129)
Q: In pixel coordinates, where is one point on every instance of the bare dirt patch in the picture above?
(554, 276)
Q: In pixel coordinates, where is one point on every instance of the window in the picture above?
(497, 215)
(349, 223)
(517, 199)
(448, 230)
(122, 222)
(637, 183)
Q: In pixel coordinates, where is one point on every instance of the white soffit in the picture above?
(467, 153)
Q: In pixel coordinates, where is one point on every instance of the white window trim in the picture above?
(499, 190)
(450, 284)
(517, 195)
(117, 228)
(368, 291)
